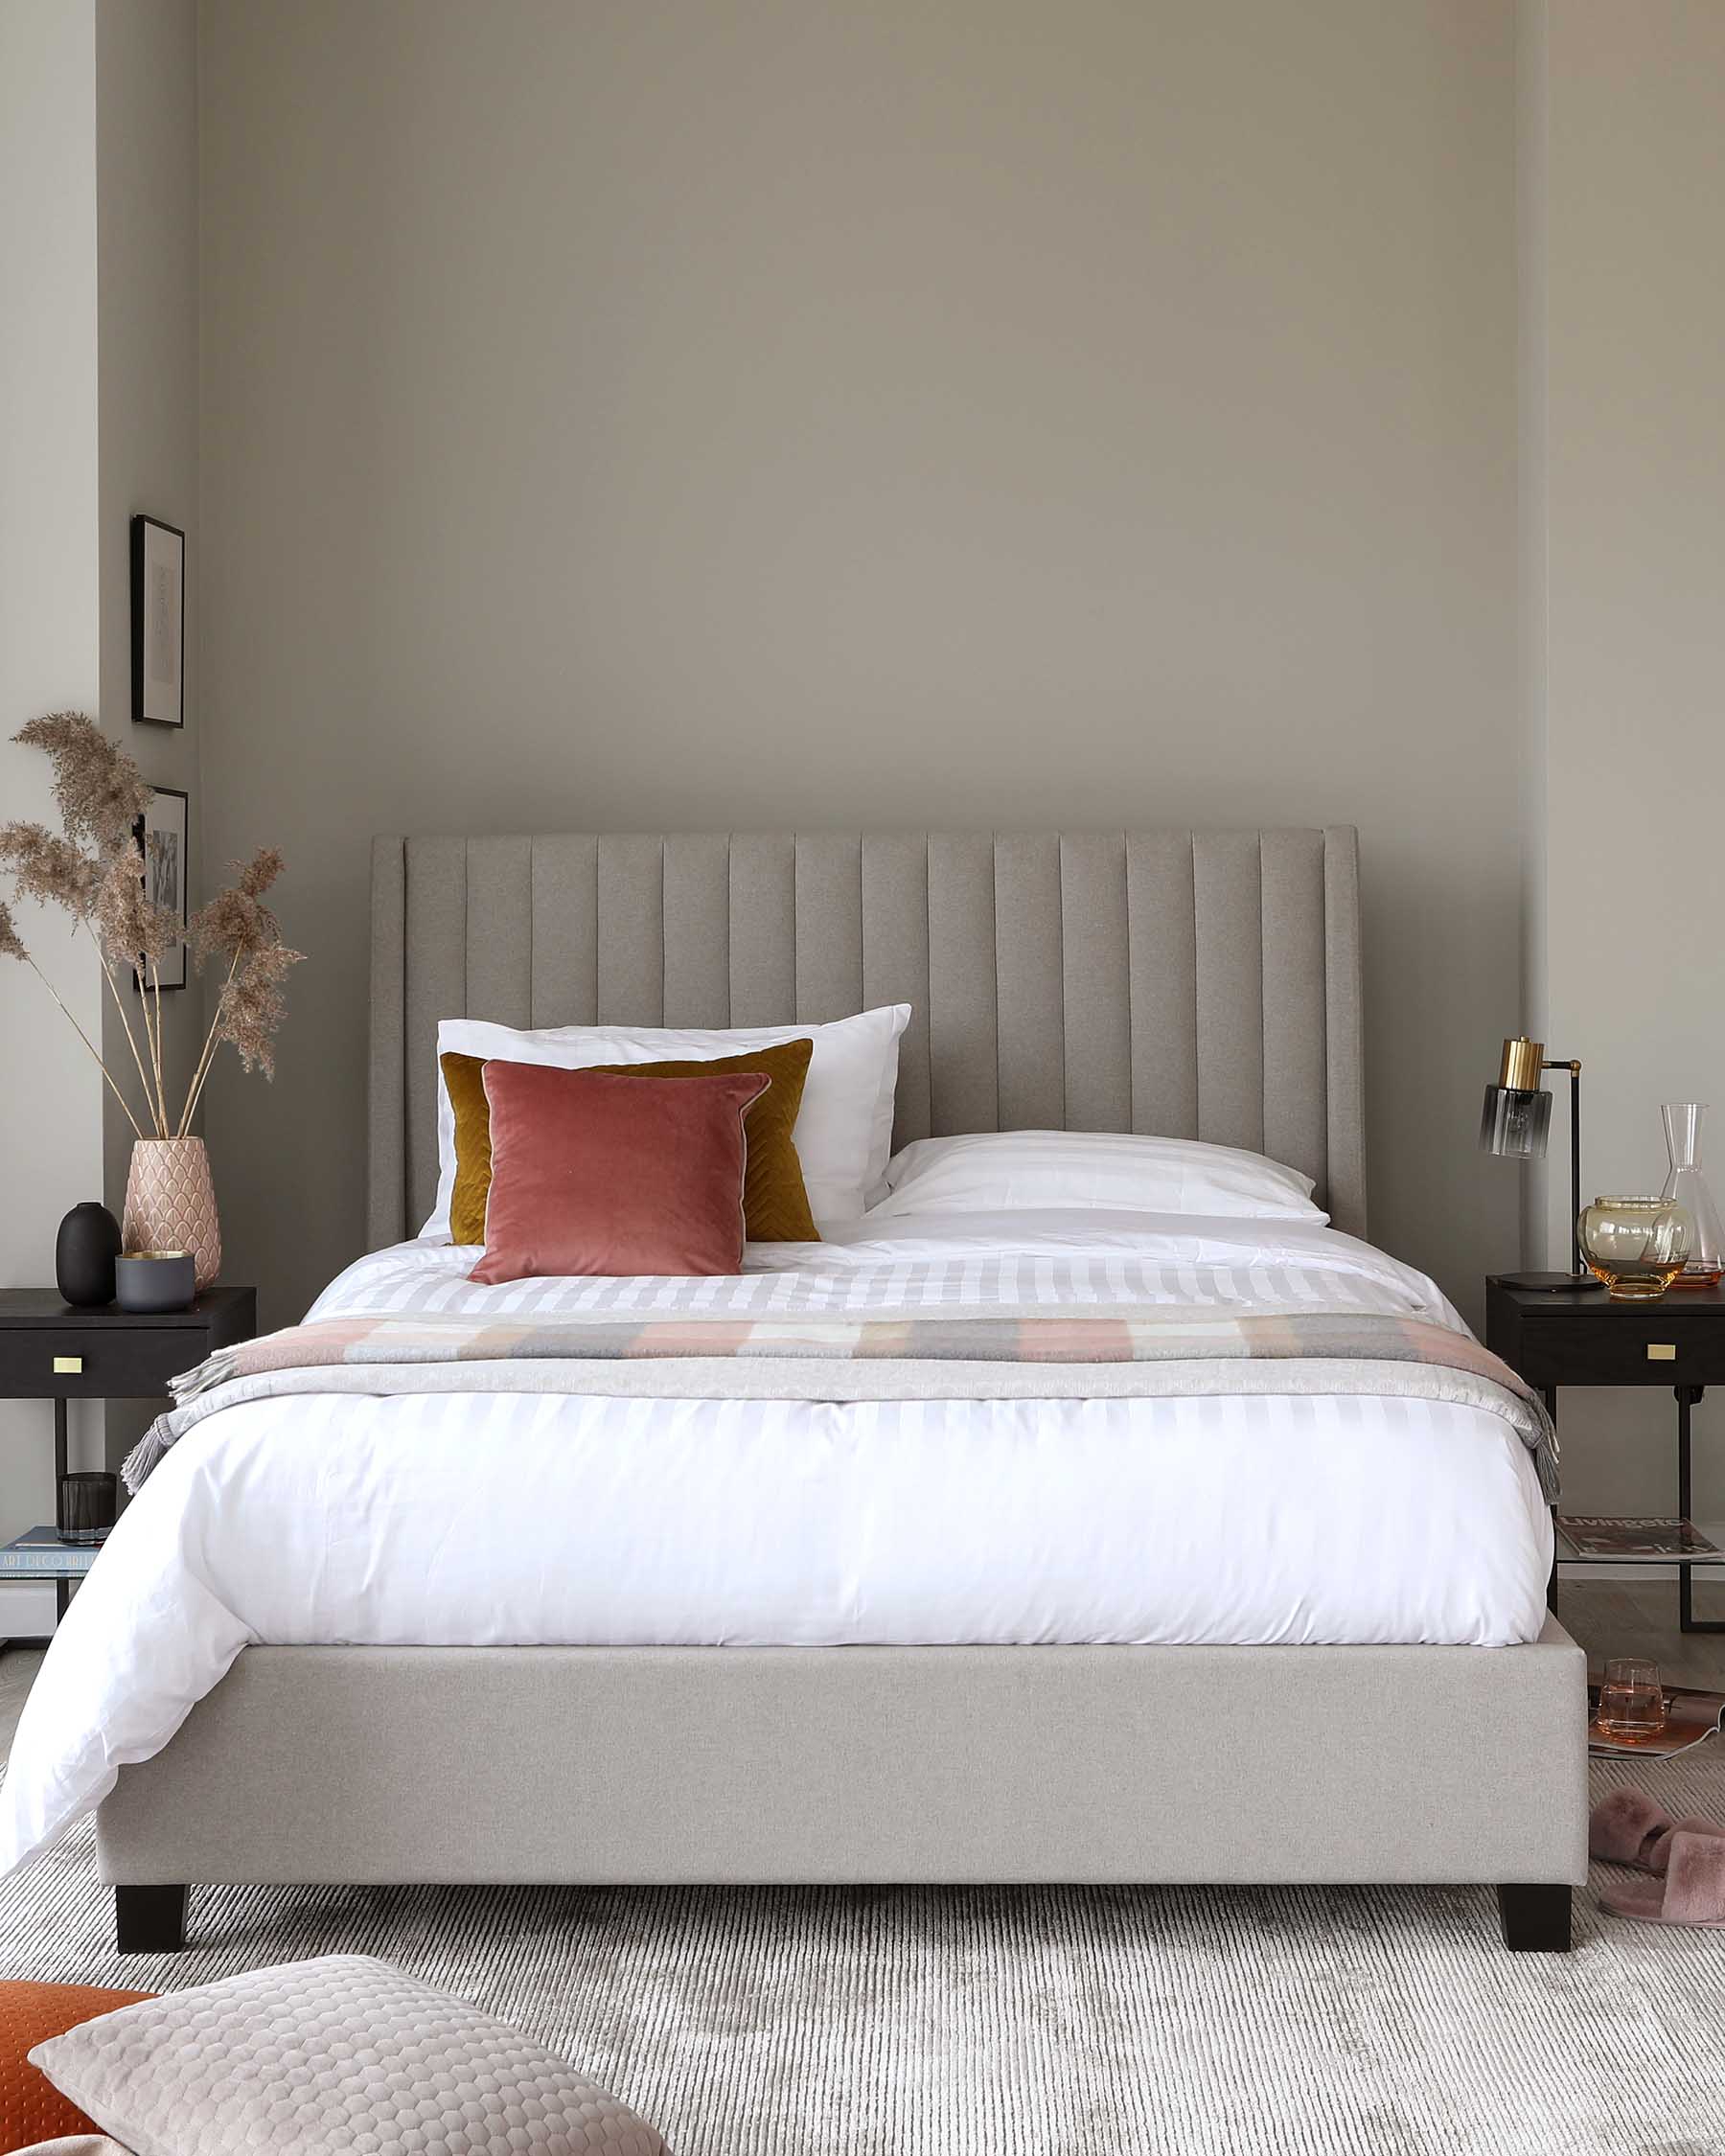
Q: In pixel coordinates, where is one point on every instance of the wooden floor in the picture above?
(1636, 1618)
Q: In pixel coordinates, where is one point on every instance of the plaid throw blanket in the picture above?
(1020, 1350)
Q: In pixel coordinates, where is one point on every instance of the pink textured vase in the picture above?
(170, 1203)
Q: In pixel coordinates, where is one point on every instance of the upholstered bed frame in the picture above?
(1196, 984)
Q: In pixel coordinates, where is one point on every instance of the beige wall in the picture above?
(51, 1131)
(147, 315)
(741, 414)
(147, 257)
(1635, 626)
(99, 385)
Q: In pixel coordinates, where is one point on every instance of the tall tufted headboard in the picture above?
(1196, 984)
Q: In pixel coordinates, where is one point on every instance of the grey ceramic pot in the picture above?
(147, 1281)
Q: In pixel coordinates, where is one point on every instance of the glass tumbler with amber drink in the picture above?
(1632, 1700)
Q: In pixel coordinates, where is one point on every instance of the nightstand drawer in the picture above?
(1660, 1346)
(97, 1362)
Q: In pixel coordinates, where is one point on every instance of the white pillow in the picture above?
(76, 2145)
(843, 1132)
(341, 2052)
(1026, 1171)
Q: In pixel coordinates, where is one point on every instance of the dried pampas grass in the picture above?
(95, 872)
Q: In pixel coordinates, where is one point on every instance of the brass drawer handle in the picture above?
(68, 1366)
(1662, 1351)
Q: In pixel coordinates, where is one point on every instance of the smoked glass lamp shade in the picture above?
(1515, 1123)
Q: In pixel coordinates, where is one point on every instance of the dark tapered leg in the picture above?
(1549, 1394)
(1687, 1620)
(150, 1919)
(1536, 1920)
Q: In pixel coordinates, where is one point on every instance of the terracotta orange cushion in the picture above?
(31, 2108)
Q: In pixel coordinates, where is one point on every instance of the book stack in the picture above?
(40, 1554)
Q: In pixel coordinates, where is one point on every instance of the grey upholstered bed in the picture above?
(1194, 984)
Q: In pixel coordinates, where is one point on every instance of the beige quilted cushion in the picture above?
(343, 2054)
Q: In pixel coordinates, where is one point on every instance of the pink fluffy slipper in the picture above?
(1693, 1891)
(1631, 1828)
(1658, 1856)
(1624, 1826)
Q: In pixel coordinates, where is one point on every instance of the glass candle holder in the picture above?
(1637, 1246)
(87, 1508)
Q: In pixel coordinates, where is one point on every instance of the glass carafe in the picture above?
(1687, 1186)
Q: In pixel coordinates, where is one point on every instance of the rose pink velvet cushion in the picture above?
(598, 1174)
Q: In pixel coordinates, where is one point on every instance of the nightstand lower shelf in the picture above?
(1576, 1545)
(39, 1554)
(1686, 1561)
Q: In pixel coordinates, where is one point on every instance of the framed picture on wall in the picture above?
(159, 623)
(163, 832)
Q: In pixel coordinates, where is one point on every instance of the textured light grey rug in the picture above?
(1053, 2021)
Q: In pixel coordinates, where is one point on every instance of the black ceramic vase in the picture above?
(84, 1252)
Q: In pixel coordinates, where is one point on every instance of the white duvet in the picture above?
(498, 1518)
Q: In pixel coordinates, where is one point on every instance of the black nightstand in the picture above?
(1585, 1339)
(50, 1351)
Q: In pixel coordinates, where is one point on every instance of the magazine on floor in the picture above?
(1692, 1717)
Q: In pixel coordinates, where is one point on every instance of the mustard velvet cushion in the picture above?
(776, 1205)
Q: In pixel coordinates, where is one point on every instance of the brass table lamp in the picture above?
(1515, 1123)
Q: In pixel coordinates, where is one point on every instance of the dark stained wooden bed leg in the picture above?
(150, 1919)
(1536, 1920)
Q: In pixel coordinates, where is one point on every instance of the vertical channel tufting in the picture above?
(762, 929)
(1161, 970)
(1203, 986)
(829, 927)
(1097, 1016)
(895, 962)
(1295, 1102)
(963, 987)
(566, 932)
(436, 920)
(500, 941)
(632, 931)
(696, 907)
(1227, 920)
(1028, 966)
(1343, 1009)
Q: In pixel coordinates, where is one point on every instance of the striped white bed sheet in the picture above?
(517, 1519)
